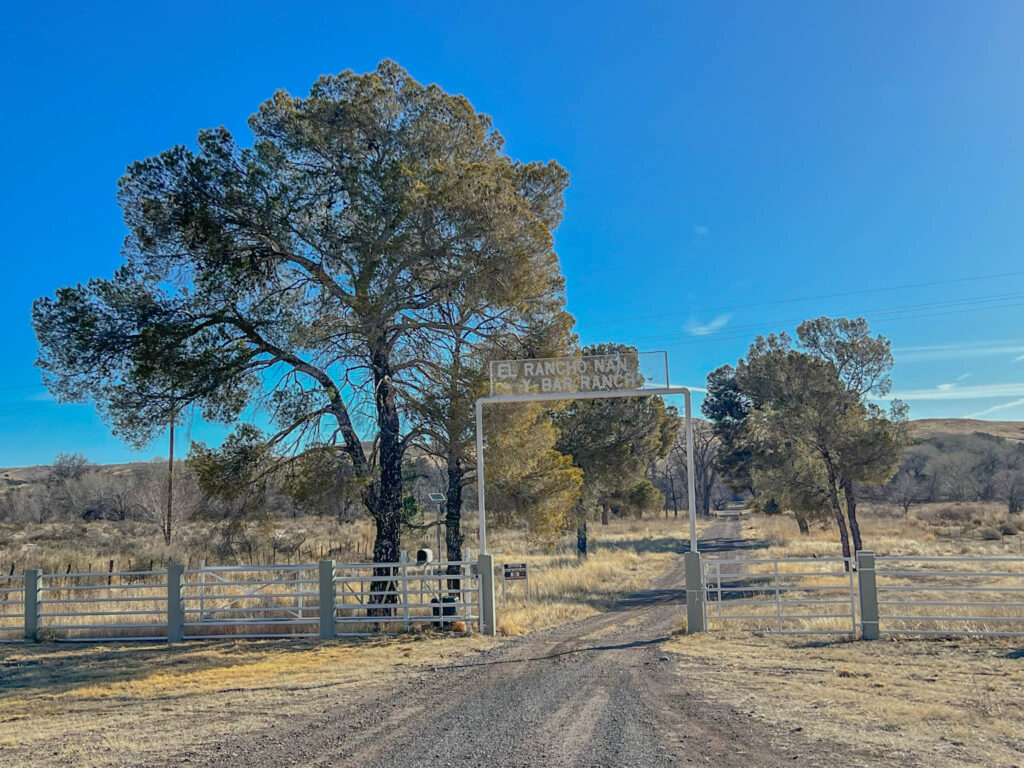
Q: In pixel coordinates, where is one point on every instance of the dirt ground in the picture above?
(620, 688)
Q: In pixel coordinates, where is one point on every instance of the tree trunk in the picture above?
(604, 514)
(385, 496)
(453, 537)
(802, 524)
(581, 539)
(837, 510)
(851, 513)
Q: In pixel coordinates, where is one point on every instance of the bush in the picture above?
(953, 514)
(989, 533)
(1008, 529)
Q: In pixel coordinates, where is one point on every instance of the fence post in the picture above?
(328, 624)
(175, 603)
(694, 593)
(868, 595)
(485, 570)
(32, 584)
(403, 559)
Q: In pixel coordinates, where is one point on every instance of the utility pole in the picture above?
(170, 484)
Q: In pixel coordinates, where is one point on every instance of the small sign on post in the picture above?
(514, 572)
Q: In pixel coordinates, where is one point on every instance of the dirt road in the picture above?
(599, 692)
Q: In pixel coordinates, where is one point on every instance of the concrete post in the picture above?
(328, 625)
(694, 593)
(175, 603)
(485, 569)
(868, 595)
(33, 584)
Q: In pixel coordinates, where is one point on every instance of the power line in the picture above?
(991, 299)
(914, 316)
(840, 294)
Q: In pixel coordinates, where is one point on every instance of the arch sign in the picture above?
(578, 377)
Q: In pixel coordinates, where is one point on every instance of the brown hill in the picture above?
(925, 428)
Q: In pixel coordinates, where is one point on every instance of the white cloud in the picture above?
(953, 383)
(964, 376)
(977, 392)
(995, 408)
(1018, 358)
(715, 324)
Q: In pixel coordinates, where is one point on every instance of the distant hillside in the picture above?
(925, 428)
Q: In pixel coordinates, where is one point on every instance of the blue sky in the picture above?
(736, 167)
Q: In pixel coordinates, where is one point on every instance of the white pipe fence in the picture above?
(894, 595)
(782, 595)
(323, 599)
(965, 596)
(12, 608)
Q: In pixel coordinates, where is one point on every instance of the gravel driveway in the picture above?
(598, 692)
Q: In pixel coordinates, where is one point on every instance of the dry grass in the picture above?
(922, 429)
(119, 704)
(943, 703)
(88, 704)
(926, 530)
(626, 556)
(887, 534)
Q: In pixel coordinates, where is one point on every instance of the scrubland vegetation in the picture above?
(973, 528)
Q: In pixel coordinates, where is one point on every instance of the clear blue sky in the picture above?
(723, 155)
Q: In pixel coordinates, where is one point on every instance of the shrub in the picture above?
(1008, 528)
(952, 514)
(989, 533)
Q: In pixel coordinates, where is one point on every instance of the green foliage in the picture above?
(796, 422)
(726, 407)
(615, 440)
(321, 481)
(309, 272)
(528, 479)
(235, 477)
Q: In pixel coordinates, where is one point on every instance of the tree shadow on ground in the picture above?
(54, 668)
(648, 597)
(566, 652)
(679, 546)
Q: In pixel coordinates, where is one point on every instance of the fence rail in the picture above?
(893, 595)
(984, 596)
(12, 608)
(324, 599)
(781, 595)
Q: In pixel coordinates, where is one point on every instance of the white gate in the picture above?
(789, 596)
